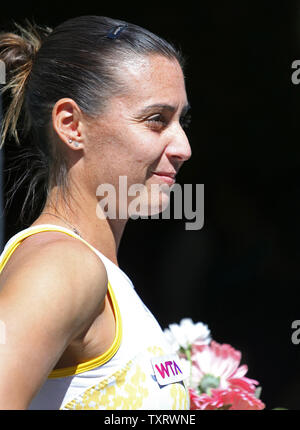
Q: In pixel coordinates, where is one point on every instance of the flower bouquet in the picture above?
(216, 380)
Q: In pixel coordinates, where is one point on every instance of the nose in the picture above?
(179, 146)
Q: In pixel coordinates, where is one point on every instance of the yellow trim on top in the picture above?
(101, 359)
(106, 356)
(33, 230)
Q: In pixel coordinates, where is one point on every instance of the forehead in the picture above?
(154, 79)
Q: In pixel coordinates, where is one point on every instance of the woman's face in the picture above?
(139, 136)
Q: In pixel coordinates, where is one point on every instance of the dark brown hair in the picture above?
(77, 59)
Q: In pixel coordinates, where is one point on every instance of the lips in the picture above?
(168, 177)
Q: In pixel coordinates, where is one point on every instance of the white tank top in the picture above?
(136, 372)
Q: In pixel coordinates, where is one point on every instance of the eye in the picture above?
(156, 122)
(186, 120)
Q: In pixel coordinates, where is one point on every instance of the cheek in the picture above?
(148, 148)
(133, 152)
(140, 157)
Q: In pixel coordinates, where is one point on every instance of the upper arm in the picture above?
(46, 301)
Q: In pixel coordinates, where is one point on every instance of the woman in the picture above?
(103, 100)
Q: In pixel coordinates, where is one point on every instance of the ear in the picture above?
(67, 122)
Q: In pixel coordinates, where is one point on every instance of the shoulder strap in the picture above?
(16, 240)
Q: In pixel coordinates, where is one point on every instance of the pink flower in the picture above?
(233, 399)
(216, 366)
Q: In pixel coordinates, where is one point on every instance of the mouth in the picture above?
(167, 177)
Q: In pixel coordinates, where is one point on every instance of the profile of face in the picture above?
(139, 135)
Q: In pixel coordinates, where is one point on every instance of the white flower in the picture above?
(185, 333)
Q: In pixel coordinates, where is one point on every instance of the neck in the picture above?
(103, 234)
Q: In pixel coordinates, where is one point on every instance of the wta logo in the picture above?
(167, 369)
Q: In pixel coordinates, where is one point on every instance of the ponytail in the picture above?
(18, 51)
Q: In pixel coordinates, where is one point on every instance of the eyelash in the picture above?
(158, 121)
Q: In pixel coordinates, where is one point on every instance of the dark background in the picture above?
(240, 273)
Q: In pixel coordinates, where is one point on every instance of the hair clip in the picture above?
(115, 32)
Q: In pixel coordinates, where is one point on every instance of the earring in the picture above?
(76, 144)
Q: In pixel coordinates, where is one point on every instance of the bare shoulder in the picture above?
(53, 265)
(48, 252)
(51, 290)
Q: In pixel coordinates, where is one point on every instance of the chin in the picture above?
(154, 204)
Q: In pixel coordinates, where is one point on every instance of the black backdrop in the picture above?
(240, 273)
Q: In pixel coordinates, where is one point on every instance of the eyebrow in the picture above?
(162, 106)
